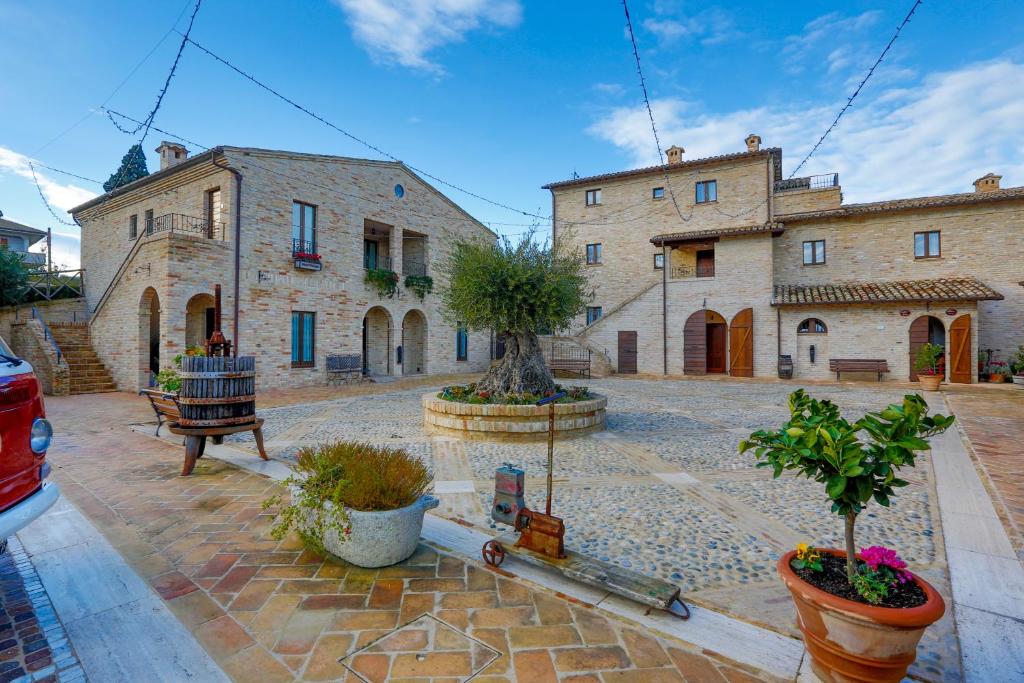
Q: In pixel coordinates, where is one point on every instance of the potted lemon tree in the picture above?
(927, 366)
(861, 614)
(360, 502)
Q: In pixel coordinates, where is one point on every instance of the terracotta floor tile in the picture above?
(222, 637)
(172, 585)
(255, 665)
(323, 662)
(534, 666)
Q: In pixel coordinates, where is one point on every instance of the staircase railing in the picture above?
(47, 334)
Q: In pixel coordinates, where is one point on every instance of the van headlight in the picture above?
(41, 436)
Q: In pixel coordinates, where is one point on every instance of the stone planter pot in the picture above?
(498, 422)
(1019, 380)
(381, 537)
(851, 642)
(930, 382)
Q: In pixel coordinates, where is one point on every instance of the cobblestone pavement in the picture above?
(270, 611)
(994, 424)
(673, 497)
(33, 644)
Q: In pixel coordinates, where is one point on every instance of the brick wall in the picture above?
(57, 311)
(27, 339)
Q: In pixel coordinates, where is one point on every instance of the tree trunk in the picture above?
(521, 370)
(851, 548)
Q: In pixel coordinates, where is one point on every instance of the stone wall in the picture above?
(808, 199)
(57, 311)
(28, 340)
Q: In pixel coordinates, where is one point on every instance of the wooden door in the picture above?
(918, 338)
(695, 344)
(961, 367)
(627, 352)
(716, 334)
(741, 344)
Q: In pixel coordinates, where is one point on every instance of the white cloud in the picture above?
(822, 34)
(935, 137)
(405, 31)
(60, 195)
(609, 88)
(671, 23)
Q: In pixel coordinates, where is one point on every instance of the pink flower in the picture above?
(879, 556)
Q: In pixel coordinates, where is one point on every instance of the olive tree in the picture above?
(514, 289)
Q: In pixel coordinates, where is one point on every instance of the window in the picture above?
(593, 254)
(370, 254)
(303, 339)
(213, 211)
(149, 221)
(593, 314)
(658, 193)
(705, 263)
(593, 197)
(659, 261)
(927, 244)
(133, 226)
(461, 342)
(814, 252)
(707, 191)
(812, 326)
(303, 228)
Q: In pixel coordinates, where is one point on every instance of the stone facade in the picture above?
(28, 339)
(726, 255)
(158, 286)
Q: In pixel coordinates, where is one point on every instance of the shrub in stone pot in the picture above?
(861, 615)
(360, 502)
(927, 366)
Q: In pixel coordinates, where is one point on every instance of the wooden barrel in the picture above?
(217, 391)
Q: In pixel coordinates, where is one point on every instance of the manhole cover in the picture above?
(424, 648)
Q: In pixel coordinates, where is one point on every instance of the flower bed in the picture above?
(510, 421)
(468, 393)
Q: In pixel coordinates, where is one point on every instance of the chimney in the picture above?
(987, 183)
(674, 154)
(171, 154)
(753, 142)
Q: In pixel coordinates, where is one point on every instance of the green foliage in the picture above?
(13, 278)
(133, 166)
(927, 360)
(1018, 362)
(169, 379)
(871, 586)
(820, 444)
(807, 557)
(383, 280)
(421, 285)
(469, 393)
(513, 288)
(349, 475)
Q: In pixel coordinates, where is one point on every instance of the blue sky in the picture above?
(502, 96)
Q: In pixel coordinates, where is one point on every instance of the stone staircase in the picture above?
(88, 373)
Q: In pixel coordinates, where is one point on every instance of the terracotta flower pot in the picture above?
(852, 642)
(930, 382)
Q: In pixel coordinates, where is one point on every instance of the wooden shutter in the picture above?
(918, 338)
(960, 359)
(741, 344)
(695, 350)
(627, 352)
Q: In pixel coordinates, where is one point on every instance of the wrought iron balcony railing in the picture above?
(811, 182)
(180, 223)
(416, 268)
(303, 247)
(374, 262)
(691, 272)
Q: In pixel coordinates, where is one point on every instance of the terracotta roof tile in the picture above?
(936, 201)
(694, 235)
(942, 289)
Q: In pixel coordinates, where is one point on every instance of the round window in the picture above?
(399, 191)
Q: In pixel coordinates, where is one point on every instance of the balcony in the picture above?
(305, 255)
(31, 258)
(185, 225)
(690, 264)
(414, 268)
(812, 182)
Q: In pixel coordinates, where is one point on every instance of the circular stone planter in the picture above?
(380, 538)
(850, 642)
(495, 422)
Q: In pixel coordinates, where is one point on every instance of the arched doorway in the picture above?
(961, 360)
(926, 329)
(704, 343)
(377, 342)
(199, 314)
(149, 337)
(741, 344)
(414, 343)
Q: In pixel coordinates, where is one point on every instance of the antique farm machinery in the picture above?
(539, 538)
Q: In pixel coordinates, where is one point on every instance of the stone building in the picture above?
(290, 237)
(719, 265)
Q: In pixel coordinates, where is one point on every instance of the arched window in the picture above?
(812, 326)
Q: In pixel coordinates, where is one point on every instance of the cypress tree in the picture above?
(133, 167)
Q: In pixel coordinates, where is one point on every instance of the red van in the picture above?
(25, 435)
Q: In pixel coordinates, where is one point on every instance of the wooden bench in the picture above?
(195, 439)
(165, 405)
(579, 367)
(841, 365)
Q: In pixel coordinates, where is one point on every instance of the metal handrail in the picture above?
(416, 268)
(811, 182)
(47, 334)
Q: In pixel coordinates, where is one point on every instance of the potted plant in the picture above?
(1018, 367)
(169, 379)
(999, 372)
(362, 503)
(982, 360)
(927, 366)
(861, 615)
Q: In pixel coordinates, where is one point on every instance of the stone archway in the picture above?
(199, 313)
(926, 329)
(414, 343)
(149, 337)
(377, 342)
